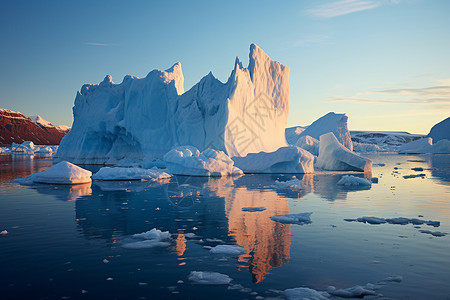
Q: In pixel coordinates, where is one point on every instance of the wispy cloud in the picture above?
(342, 7)
(427, 95)
(98, 44)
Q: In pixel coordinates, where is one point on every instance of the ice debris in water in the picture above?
(203, 277)
(433, 233)
(356, 291)
(414, 176)
(228, 250)
(349, 180)
(148, 239)
(398, 220)
(118, 173)
(305, 293)
(300, 219)
(4, 232)
(253, 208)
(293, 184)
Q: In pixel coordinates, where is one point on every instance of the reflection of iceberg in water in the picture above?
(64, 192)
(440, 167)
(325, 185)
(267, 243)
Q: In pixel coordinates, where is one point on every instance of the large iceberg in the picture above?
(440, 131)
(331, 122)
(290, 159)
(333, 156)
(142, 119)
(424, 145)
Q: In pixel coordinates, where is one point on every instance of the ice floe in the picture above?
(149, 239)
(397, 220)
(293, 184)
(228, 250)
(62, 173)
(433, 233)
(300, 219)
(118, 173)
(203, 277)
(303, 293)
(352, 181)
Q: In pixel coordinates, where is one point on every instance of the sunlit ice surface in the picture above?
(67, 241)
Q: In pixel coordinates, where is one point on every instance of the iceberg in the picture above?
(149, 239)
(441, 147)
(117, 173)
(416, 147)
(440, 131)
(62, 173)
(331, 122)
(228, 250)
(188, 160)
(290, 159)
(142, 119)
(352, 181)
(300, 219)
(333, 156)
(202, 277)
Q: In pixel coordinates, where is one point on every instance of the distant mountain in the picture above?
(16, 127)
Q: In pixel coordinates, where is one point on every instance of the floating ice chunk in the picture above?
(433, 233)
(105, 261)
(289, 159)
(153, 234)
(333, 156)
(293, 184)
(4, 232)
(356, 291)
(235, 286)
(187, 160)
(304, 294)
(253, 208)
(372, 220)
(416, 147)
(149, 239)
(418, 169)
(117, 173)
(191, 235)
(44, 150)
(349, 180)
(300, 219)
(62, 173)
(145, 244)
(374, 179)
(399, 220)
(228, 250)
(414, 176)
(203, 277)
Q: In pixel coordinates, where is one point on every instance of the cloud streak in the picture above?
(426, 95)
(340, 8)
(97, 44)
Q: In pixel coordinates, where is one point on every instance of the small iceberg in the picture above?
(201, 277)
(300, 219)
(62, 173)
(293, 184)
(149, 239)
(118, 173)
(187, 160)
(228, 250)
(352, 181)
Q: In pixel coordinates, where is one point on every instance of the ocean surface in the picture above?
(66, 242)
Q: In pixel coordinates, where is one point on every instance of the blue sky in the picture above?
(384, 63)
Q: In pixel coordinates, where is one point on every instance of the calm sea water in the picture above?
(64, 241)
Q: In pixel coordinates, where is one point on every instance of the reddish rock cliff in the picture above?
(15, 127)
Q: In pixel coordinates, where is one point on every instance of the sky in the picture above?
(385, 63)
